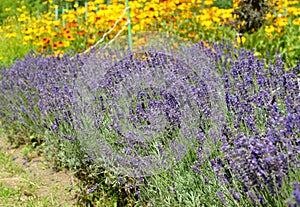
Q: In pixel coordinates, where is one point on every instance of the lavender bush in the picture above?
(144, 113)
(37, 91)
(260, 140)
(295, 195)
(188, 123)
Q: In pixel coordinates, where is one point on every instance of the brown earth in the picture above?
(36, 178)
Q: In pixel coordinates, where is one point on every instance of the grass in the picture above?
(26, 179)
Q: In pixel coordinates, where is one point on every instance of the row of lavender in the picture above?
(143, 113)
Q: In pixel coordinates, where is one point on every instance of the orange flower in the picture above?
(70, 37)
(205, 44)
(46, 41)
(91, 40)
(82, 32)
(296, 22)
(72, 24)
(66, 30)
(100, 33)
(192, 34)
(55, 46)
(60, 44)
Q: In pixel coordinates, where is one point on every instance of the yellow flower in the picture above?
(269, 15)
(269, 35)
(66, 43)
(91, 17)
(269, 29)
(27, 38)
(296, 22)
(206, 23)
(56, 23)
(99, 1)
(10, 35)
(297, 12)
(54, 6)
(27, 31)
(208, 2)
(91, 40)
(293, 2)
(58, 53)
(282, 21)
(81, 10)
(19, 9)
(216, 19)
(135, 28)
(1, 57)
(23, 17)
(241, 39)
(7, 9)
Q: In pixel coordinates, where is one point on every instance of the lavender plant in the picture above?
(295, 195)
(143, 114)
(37, 91)
(216, 118)
(260, 140)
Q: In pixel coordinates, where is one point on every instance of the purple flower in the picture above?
(296, 192)
(222, 197)
(153, 105)
(92, 189)
(259, 143)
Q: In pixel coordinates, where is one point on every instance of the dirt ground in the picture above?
(35, 178)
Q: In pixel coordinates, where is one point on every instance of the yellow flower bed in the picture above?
(81, 26)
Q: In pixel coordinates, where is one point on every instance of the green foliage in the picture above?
(18, 134)
(284, 46)
(8, 8)
(223, 4)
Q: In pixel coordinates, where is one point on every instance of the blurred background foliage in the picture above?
(57, 27)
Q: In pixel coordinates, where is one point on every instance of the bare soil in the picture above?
(36, 178)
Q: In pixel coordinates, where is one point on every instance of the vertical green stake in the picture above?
(56, 13)
(86, 8)
(129, 26)
(108, 2)
(76, 2)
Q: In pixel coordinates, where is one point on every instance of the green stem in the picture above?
(129, 26)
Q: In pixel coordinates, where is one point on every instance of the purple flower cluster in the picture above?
(149, 108)
(38, 90)
(295, 195)
(260, 138)
(141, 113)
